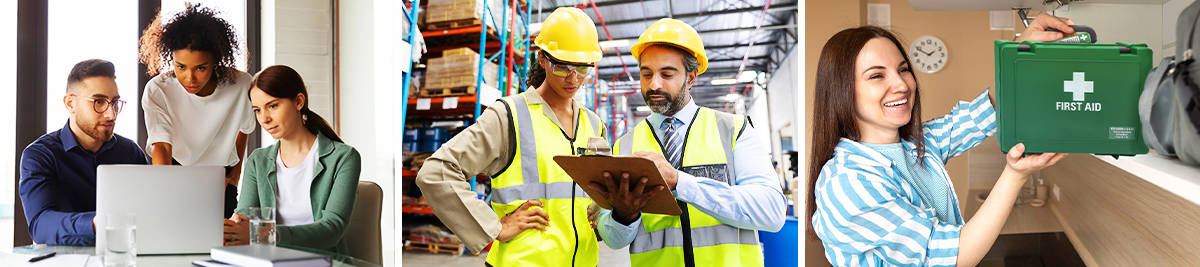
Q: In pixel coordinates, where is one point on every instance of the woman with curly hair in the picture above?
(195, 104)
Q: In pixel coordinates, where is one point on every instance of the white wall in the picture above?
(783, 86)
(1129, 23)
(1170, 14)
(368, 34)
(782, 92)
(299, 34)
(304, 41)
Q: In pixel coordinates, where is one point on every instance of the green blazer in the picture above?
(334, 188)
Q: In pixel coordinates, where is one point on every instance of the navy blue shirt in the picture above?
(58, 185)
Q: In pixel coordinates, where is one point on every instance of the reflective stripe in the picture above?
(701, 237)
(725, 127)
(595, 122)
(528, 141)
(626, 143)
(528, 191)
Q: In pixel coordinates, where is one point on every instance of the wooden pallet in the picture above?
(431, 247)
(454, 91)
(471, 39)
(453, 24)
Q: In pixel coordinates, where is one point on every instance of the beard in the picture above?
(669, 105)
(93, 130)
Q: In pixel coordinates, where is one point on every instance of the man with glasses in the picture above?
(58, 170)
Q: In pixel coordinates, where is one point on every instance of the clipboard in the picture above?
(587, 168)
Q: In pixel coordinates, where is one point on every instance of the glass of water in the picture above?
(120, 246)
(262, 225)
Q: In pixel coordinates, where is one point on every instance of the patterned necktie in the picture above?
(672, 142)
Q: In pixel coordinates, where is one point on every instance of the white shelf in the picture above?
(1169, 173)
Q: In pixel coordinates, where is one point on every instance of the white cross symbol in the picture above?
(1077, 87)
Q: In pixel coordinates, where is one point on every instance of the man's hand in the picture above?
(627, 200)
(524, 218)
(1037, 29)
(668, 172)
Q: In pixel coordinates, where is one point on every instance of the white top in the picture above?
(201, 130)
(294, 203)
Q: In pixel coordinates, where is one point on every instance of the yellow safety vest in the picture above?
(707, 152)
(533, 175)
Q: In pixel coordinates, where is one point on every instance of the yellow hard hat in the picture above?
(569, 35)
(673, 32)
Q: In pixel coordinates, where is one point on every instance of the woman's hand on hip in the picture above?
(524, 218)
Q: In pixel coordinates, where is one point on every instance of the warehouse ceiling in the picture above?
(747, 35)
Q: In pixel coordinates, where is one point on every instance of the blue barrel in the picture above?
(412, 135)
(429, 146)
(435, 134)
(411, 146)
(780, 248)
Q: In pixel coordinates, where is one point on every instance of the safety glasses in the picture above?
(564, 69)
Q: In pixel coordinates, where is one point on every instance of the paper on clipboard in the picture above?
(587, 168)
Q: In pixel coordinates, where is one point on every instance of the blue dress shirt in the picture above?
(58, 185)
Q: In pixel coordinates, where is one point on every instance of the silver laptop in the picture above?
(177, 209)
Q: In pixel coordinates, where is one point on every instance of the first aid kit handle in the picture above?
(1078, 28)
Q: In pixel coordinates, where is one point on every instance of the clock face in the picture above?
(929, 54)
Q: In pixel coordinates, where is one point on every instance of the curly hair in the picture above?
(196, 28)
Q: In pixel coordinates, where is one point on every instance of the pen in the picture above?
(42, 257)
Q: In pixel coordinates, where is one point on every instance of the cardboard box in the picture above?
(458, 68)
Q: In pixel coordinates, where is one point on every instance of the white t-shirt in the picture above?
(201, 130)
(295, 185)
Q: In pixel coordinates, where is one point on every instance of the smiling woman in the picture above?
(879, 192)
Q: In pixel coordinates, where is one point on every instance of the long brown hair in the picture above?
(284, 82)
(834, 106)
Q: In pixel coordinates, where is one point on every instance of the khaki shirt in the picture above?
(483, 148)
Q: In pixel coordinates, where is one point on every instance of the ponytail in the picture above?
(316, 124)
(537, 74)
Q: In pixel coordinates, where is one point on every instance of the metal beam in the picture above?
(599, 4)
(710, 62)
(783, 7)
(706, 77)
(703, 32)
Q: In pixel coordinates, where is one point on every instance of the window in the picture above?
(80, 30)
(8, 121)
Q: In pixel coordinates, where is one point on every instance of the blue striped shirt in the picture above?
(867, 215)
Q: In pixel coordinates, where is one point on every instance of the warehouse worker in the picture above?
(878, 191)
(719, 171)
(538, 216)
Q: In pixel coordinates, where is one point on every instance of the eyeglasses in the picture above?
(564, 70)
(101, 105)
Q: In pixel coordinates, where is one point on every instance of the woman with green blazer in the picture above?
(309, 176)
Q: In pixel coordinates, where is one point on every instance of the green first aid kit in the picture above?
(1070, 98)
